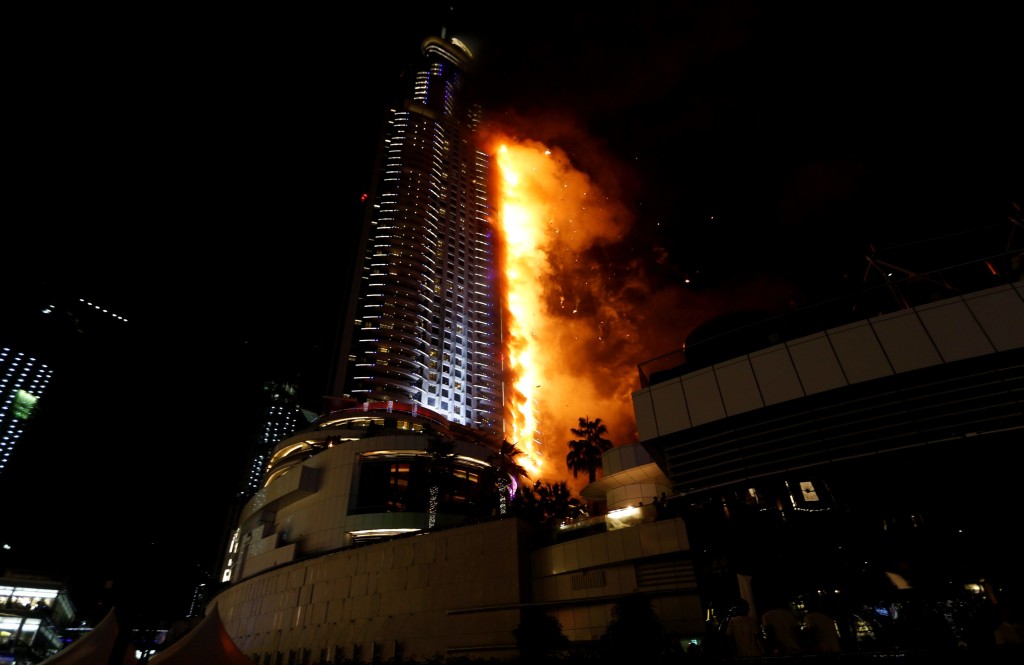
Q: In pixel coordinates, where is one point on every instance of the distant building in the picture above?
(281, 416)
(35, 612)
(47, 332)
(23, 379)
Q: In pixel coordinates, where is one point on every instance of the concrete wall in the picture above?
(424, 595)
(580, 581)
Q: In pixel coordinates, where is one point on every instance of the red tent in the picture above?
(206, 644)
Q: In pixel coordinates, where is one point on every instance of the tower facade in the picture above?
(281, 417)
(50, 331)
(423, 323)
(22, 381)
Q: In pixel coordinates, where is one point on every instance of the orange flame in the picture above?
(549, 219)
(576, 320)
(524, 260)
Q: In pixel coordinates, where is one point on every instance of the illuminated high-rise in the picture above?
(48, 333)
(22, 381)
(281, 416)
(423, 324)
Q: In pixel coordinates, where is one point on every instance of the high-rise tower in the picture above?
(281, 416)
(52, 332)
(423, 323)
(22, 381)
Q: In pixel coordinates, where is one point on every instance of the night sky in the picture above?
(210, 191)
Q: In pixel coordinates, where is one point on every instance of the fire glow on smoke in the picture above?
(582, 307)
(547, 221)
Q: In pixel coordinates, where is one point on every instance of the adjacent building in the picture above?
(35, 612)
(48, 333)
(860, 466)
(281, 416)
(23, 379)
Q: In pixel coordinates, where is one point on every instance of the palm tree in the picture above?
(558, 502)
(585, 451)
(528, 505)
(508, 469)
(439, 470)
(548, 503)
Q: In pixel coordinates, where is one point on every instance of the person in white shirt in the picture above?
(782, 632)
(824, 636)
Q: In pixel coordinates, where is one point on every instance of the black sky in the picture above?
(210, 188)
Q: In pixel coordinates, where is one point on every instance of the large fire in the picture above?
(584, 305)
(550, 214)
(578, 322)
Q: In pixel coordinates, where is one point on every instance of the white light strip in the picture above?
(365, 533)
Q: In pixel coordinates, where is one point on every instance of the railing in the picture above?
(706, 346)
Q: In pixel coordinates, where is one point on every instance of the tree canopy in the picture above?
(585, 451)
(507, 468)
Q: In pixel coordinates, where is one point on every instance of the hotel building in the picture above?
(376, 533)
(423, 325)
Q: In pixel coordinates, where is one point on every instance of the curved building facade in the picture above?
(359, 475)
(367, 543)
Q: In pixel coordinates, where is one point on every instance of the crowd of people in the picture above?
(781, 632)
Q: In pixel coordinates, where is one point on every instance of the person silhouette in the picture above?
(822, 634)
(743, 632)
(1006, 632)
(781, 631)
